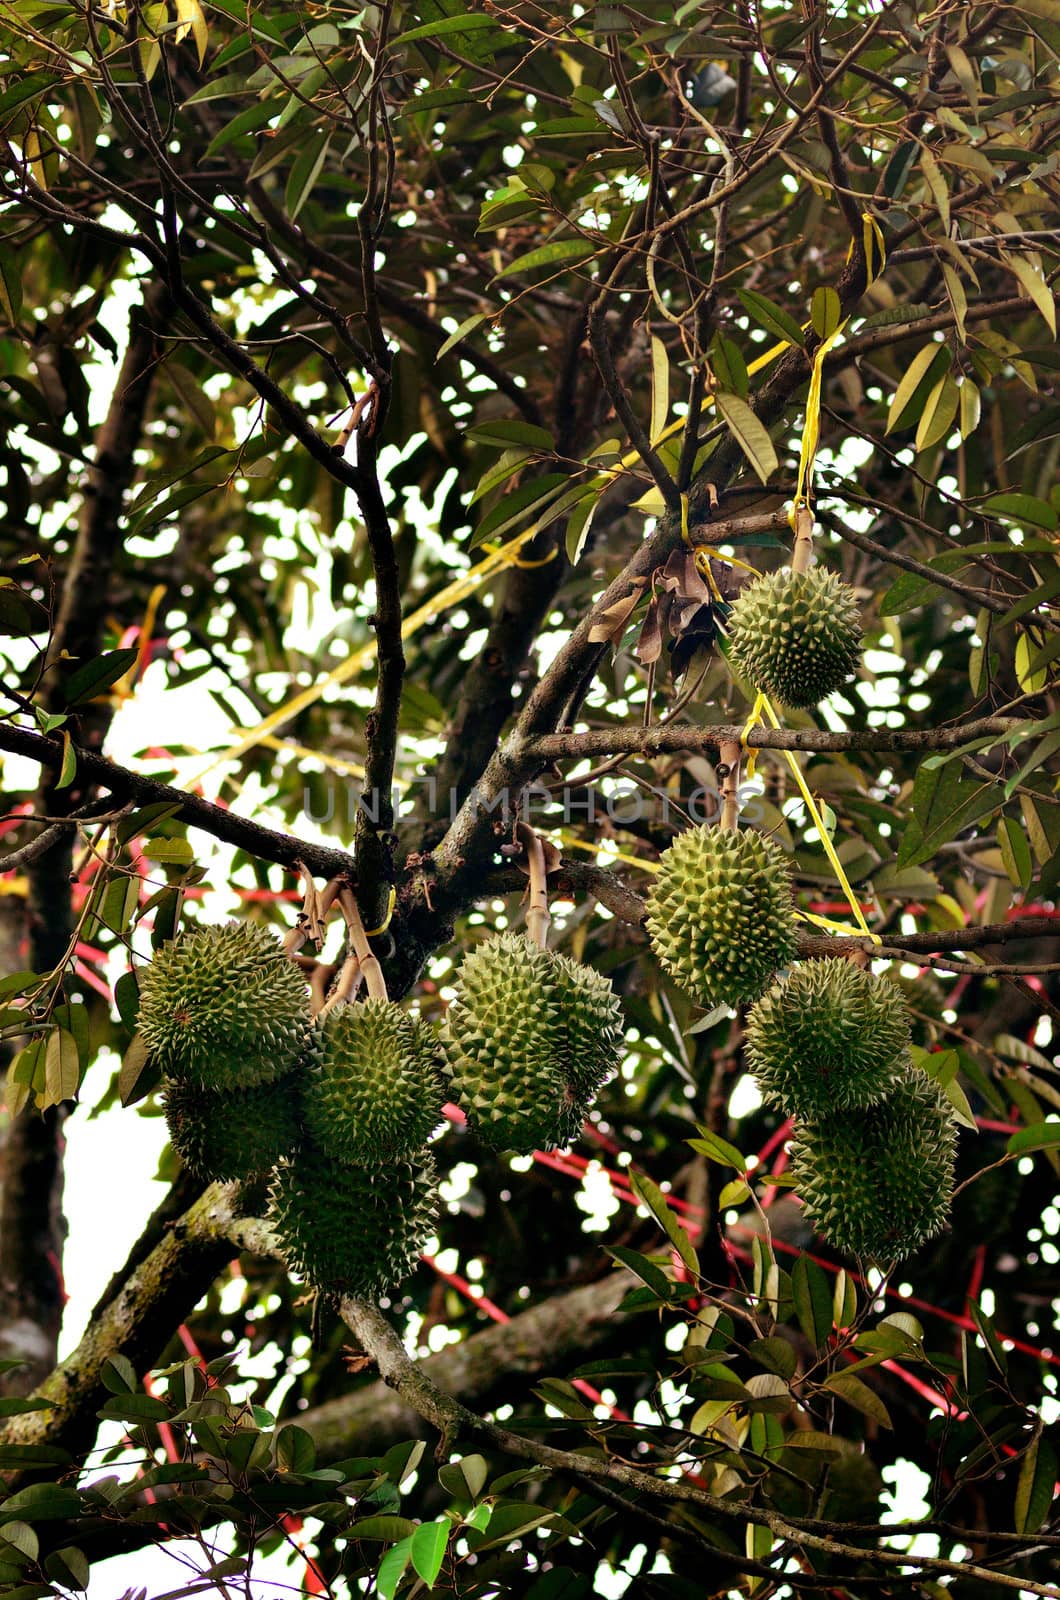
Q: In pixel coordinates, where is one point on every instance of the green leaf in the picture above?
(1015, 852)
(914, 375)
(68, 770)
(656, 1202)
(62, 1067)
(940, 408)
(295, 1449)
(944, 804)
(468, 325)
(1028, 269)
(119, 1375)
(660, 388)
(561, 252)
(844, 1300)
(580, 523)
(136, 1408)
(826, 312)
(392, 1568)
(717, 1149)
(1039, 1136)
(771, 317)
(383, 1527)
(139, 1073)
(850, 1388)
(505, 431)
(169, 852)
(97, 675)
(749, 433)
(812, 1294)
(305, 172)
(41, 1502)
(429, 1544)
(646, 1270)
(1035, 1486)
(467, 22)
(1023, 508)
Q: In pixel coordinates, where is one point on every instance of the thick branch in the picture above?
(265, 843)
(138, 1322)
(455, 1421)
(481, 1370)
(667, 738)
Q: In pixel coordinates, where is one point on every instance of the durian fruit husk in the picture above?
(373, 1086)
(224, 1008)
(830, 1036)
(233, 1133)
(352, 1230)
(877, 1183)
(796, 635)
(720, 914)
(528, 1042)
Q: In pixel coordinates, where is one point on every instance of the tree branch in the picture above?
(456, 1421)
(266, 843)
(667, 738)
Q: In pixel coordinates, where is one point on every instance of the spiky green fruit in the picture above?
(593, 1034)
(223, 1008)
(236, 1133)
(528, 1043)
(372, 1093)
(720, 914)
(352, 1230)
(797, 635)
(878, 1182)
(828, 1037)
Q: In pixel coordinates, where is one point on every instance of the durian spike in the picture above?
(538, 917)
(369, 963)
(729, 754)
(802, 552)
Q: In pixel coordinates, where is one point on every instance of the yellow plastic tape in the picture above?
(818, 822)
(811, 429)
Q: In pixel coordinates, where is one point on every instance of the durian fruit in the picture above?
(828, 1037)
(373, 1091)
(720, 914)
(352, 1230)
(593, 1033)
(797, 635)
(223, 1008)
(528, 1043)
(234, 1133)
(878, 1182)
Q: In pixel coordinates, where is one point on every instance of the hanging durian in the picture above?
(528, 1043)
(720, 914)
(234, 1133)
(796, 635)
(828, 1037)
(878, 1182)
(224, 1008)
(373, 1092)
(352, 1230)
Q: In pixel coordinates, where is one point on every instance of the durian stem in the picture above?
(349, 981)
(538, 917)
(369, 963)
(729, 756)
(802, 551)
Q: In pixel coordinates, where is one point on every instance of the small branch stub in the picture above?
(802, 552)
(538, 917)
(729, 757)
(369, 963)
